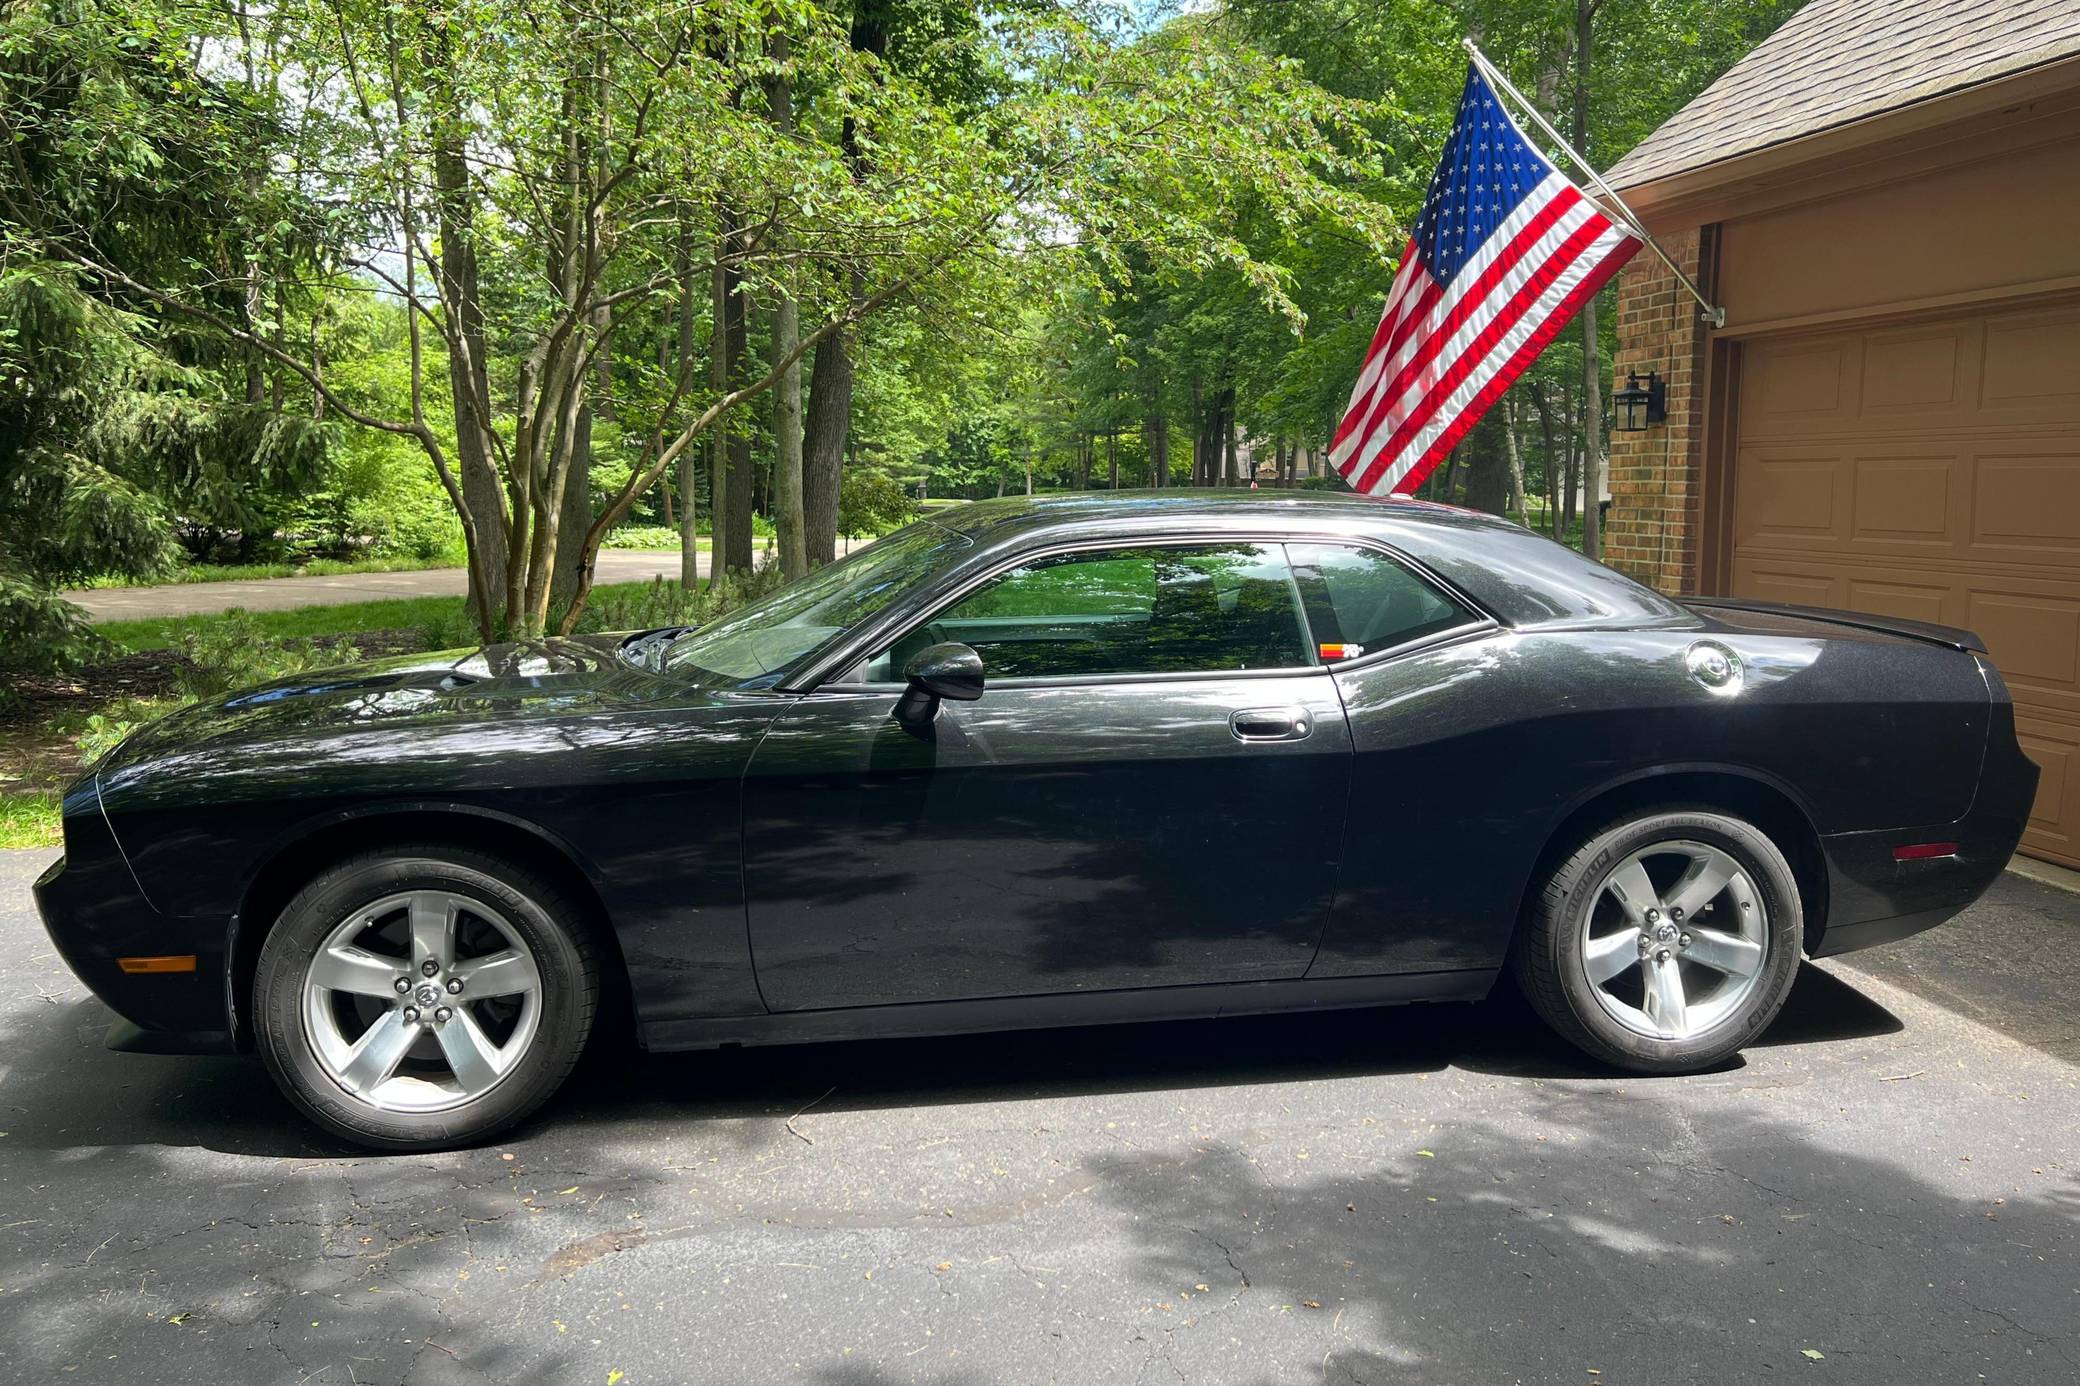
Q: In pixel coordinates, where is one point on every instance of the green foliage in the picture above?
(641, 537)
(220, 655)
(664, 602)
(113, 419)
(873, 502)
(29, 820)
(234, 652)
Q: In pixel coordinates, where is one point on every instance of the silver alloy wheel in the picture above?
(1676, 940)
(421, 1001)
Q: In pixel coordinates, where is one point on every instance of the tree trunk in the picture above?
(823, 445)
(789, 521)
(1516, 459)
(689, 460)
(468, 375)
(1487, 469)
(1592, 365)
(1155, 431)
(1231, 465)
(1550, 435)
(730, 486)
(576, 514)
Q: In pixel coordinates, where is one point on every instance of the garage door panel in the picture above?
(1799, 386)
(1791, 500)
(2026, 503)
(1769, 584)
(1918, 375)
(2054, 820)
(1905, 501)
(1905, 601)
(1930, 471)
(2035, 640)
(2032, 367)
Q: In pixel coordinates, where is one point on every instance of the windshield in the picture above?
(778, 630)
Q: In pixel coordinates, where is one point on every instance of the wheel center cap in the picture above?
(427, 995)
(1664, 933)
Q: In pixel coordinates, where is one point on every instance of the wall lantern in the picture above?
(1639, 405)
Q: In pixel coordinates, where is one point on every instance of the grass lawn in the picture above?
(443, 615)
(36, 750)
(29, 819)
(300, 623)
(317, 567)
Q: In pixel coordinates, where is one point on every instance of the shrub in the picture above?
(664, 602)
(873, 503)
(641, 537)
(225, 654)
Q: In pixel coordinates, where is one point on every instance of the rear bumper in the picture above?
(1874, 897)
(95, 914)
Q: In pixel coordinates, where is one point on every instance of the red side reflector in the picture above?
(175, 962)
(1921, 851)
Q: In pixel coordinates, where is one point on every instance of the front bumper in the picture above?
(95, 914)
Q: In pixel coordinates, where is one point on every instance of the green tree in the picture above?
(116, 420)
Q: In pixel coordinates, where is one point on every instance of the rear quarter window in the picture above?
(1360, 600)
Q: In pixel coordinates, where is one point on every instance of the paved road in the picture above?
(1883, 1191)
(283, 594)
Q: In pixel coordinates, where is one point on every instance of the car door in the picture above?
(1150, 792)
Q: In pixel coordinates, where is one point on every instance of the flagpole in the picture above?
(1713, 314)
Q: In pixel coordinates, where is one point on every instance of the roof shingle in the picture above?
(1841, 60)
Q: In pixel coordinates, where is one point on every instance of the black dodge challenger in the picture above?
(1041, 762)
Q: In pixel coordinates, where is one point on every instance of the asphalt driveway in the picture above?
(1886, 1190)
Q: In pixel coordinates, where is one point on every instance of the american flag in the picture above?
(1505, 252)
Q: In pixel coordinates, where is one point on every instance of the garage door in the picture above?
(1931, 471)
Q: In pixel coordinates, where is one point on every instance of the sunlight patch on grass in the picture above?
(444, 615)
(29, 820)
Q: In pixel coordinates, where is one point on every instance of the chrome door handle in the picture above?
(1270, 723)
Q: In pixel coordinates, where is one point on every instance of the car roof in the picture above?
(1522, 578)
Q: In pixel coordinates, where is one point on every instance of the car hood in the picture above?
(554, 675)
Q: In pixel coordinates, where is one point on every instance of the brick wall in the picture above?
(1656, 476)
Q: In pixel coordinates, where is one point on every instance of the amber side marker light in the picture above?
(175, 962)
(1922, 851)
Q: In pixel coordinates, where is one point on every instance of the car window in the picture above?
(1360, 599)
(1199, 608)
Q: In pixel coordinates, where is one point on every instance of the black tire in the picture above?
(553, 929)
(1548, 959)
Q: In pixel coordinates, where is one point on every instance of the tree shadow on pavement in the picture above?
(65, 1091)
(1666, 1233)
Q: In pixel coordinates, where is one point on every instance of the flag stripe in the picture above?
(1553, 197)
(1474, 313)
(1505, 252)
(1417, 411)
(1550, 325)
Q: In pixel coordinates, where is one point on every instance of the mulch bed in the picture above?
(32, 754)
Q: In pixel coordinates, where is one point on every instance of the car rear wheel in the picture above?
(1665, 942)
(424, 996)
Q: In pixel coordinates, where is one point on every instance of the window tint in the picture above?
(1186, 609)
(1360, 600)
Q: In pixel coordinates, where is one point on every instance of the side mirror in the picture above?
(950, 670)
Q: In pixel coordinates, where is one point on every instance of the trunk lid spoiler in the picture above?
(1887, 625)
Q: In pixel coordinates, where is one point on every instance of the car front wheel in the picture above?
(1665, 942)
(424, 997)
